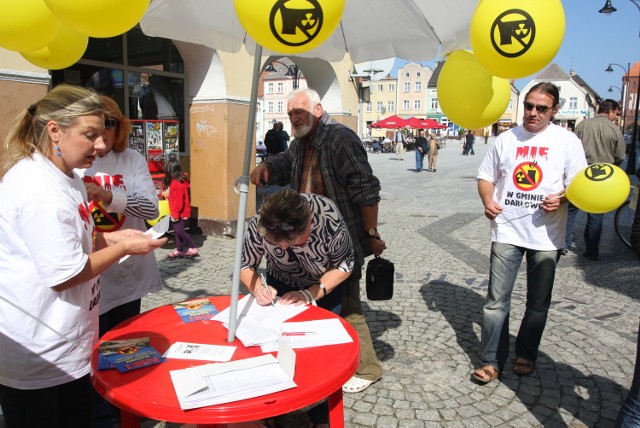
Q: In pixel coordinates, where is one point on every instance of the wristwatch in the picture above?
(373, 232)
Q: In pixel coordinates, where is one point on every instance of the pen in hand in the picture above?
(266, 287)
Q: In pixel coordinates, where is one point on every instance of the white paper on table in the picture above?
(219, 383)
(267, 315)
(156, 232)
(200, 351)
(307, 334)
(253, 333)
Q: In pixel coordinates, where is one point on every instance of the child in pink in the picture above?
(177, 194)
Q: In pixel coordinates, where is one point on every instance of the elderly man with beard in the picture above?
(328, 159)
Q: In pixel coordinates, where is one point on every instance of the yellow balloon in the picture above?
(99, 18)
(26, 25)
(516, 38)
(599, 188)
(163, 206)
(289, 26)
(64, 50)
(468, 94)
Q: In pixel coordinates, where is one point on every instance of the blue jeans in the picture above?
(419, 159)
(629, 415)
(541, 270)
(592, 233)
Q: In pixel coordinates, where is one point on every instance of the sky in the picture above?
(591, 41)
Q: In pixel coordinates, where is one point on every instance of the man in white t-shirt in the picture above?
(521, 183)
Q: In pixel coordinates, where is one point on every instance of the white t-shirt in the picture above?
(45, 238)
(126, 174)
(525, 167)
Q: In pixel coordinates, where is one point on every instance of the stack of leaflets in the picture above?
(211, 384)
(129, 354)
(195, 310)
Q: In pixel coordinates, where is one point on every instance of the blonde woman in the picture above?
(50, 260)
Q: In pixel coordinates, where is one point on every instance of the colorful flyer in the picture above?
(129, 354)
(195, 310)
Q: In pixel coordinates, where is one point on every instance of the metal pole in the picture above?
(244, 194)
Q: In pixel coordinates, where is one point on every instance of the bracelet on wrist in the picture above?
(309, 297)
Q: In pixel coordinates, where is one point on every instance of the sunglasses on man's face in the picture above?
(110, 123)
(542, 109)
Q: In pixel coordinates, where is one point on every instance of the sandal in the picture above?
(175, 254)
(523, 367)
(486, 374)
(356, 384)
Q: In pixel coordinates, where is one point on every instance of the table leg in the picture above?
(129, 420)
(336, 409)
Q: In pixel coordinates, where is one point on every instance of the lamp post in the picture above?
(608, 8)
(292, 71)
(631, 162)
(616, 87)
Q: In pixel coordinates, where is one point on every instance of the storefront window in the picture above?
(153, 71)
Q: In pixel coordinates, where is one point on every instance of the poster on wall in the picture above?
(155, 152)
(170, 138)
(137, 140)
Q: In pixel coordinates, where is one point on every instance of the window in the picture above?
(407, 86)
(270, 88)
(405, 105)
(418, 87)
(380, 88)
(280, 106)
(406, 75)
(391, 106)
(573, 102)
(143, 74)
(368, 107)
(510, 104)
(416, 104)
(379, 106)
(392, 87)
(270, 107)
(435, 105)
(418, 74)
(280, 87)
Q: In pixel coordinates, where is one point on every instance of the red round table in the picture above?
(148, 392)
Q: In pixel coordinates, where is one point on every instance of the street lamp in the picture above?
(608, 9)
(292, 71)
(611, 89)
(631, 162)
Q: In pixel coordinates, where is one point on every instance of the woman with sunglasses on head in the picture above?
(307, 248)
(51, 257)
(121, 195)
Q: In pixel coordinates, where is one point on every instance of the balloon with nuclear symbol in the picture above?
(599, 188)
(516, 38)
(289, 26)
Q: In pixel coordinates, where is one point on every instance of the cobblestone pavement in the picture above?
(427, 336)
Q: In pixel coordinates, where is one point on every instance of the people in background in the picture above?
(422, 148)
(603, 142)
(177, 187)
(433, 153)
